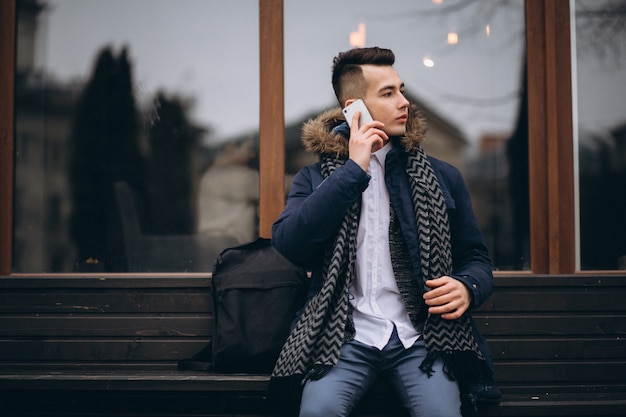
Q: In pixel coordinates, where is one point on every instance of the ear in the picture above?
(349, 101)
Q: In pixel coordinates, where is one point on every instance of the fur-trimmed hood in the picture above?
(318, 135)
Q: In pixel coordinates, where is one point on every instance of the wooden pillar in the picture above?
(551, 153)
(272, 115)
(7, 147)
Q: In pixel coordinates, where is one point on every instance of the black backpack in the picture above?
(256, 295)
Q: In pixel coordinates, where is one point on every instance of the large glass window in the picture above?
(599, 83)
(136, 133)
(462, 62)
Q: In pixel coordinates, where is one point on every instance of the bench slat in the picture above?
(567, 372)
(187, 325)
(101, 349)
(520, 300)
(543, 348)
(106, 301)
(567, 324)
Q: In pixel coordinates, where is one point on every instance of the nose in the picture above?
(403, 102)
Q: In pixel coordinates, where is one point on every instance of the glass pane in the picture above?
(128, 154)
(599, 81)
(462, 63)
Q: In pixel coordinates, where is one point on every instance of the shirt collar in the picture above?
(381, 154)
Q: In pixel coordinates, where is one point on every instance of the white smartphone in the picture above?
(357, 105)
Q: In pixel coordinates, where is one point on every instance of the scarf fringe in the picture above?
(427, 364)
(465, 367)
(317, 372)
(461, 366)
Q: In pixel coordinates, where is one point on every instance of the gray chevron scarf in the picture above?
(313, 346)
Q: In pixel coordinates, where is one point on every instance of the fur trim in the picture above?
(318, 137)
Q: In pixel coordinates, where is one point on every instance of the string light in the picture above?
(453, 38)
(428, 62)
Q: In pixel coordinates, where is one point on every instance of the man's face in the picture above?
(385, 98)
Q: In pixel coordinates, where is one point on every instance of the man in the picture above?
(396, 256)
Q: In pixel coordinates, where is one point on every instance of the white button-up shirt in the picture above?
(377, 303)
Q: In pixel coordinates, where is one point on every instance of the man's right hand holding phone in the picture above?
(364, 140)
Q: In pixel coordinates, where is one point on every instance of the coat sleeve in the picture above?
(471, 262)
(315, 209)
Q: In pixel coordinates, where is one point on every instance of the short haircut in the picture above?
(348, 80)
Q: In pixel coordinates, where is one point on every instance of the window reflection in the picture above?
(599, 61)
(462, 63)
(122, 109)
(229, 192)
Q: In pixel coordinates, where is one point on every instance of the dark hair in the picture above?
(348, 80)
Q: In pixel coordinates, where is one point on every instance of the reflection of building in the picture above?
(47, 117)
(443, 139)
(42, 127)
(602, 179)
(488, 182)
(228, 195)
(28, 15)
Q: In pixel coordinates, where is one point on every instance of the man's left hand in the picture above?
(448, 297)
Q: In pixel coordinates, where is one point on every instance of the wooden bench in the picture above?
(89, 345)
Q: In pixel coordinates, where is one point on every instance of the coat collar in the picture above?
(319, 137)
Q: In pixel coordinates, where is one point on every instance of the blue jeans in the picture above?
(337, 393)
